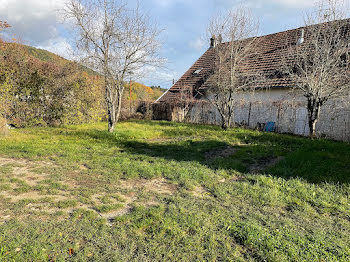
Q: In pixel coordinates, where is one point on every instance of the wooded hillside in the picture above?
(39, 88)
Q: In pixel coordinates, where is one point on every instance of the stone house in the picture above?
(274, 100)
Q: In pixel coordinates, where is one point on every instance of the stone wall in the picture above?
(286, 109)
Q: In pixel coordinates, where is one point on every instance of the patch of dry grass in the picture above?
(156, 191)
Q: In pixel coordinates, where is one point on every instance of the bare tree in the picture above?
(318, 64)
(233, 42)
(3, 25)
(116, 41)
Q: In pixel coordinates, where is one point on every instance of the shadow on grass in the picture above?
(97, 135)
(316, 161)
(313, 164)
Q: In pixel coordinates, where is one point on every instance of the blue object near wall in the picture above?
(269, 127)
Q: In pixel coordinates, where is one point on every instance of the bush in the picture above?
(145, 108)
(47, 93)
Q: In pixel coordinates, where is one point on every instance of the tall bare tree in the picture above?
(319, 63)
(116, 41)
(233, 42)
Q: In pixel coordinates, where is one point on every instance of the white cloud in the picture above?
(168, 3)
(265, 3)
(34, 22)
(294, 3)
(59, 46)
(159, 76)
(196, 44)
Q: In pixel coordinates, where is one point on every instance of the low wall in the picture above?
(289, 115)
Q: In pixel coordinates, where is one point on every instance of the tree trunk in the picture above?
(312, 127)
(113, 107)
(230, 124)
(224, 125)
(225, 122)
(111, 117)
(110, 105)
(118, 109)
(313, 116)
(3, 127)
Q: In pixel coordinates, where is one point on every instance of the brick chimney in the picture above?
(301, 38)
(213, 41)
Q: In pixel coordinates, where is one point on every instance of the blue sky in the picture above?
(184, 22)
(185, 26)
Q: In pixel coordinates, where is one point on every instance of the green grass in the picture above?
(108, 207)
(241, 207)
(66, 203)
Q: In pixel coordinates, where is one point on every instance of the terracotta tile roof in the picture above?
(267, 60)
(190, 79)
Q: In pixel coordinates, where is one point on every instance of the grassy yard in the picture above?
(160, 191)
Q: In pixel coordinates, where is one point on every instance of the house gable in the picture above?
(271, 49)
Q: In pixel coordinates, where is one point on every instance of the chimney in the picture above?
(220, 38)
(301, 38)
(213, 41)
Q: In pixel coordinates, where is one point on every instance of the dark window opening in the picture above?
(197, 71)
(277, 74)
(197, 93)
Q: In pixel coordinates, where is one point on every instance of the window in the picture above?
(197, 71)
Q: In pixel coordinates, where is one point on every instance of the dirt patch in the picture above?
(112, 215)
(23, 176)
(4, 218)
(220, 153)
(84, 167)
(263, 164)
(24, 162)
(129, 199)
(25, 169)
(237, 179)
(34, 196)
(43, 194)
(200, 191)
(157, 185)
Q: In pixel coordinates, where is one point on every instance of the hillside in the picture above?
(38, 87)
(47, 56)
(141, 91)
(44, 55)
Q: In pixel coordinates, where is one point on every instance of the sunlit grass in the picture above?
(275, 198)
